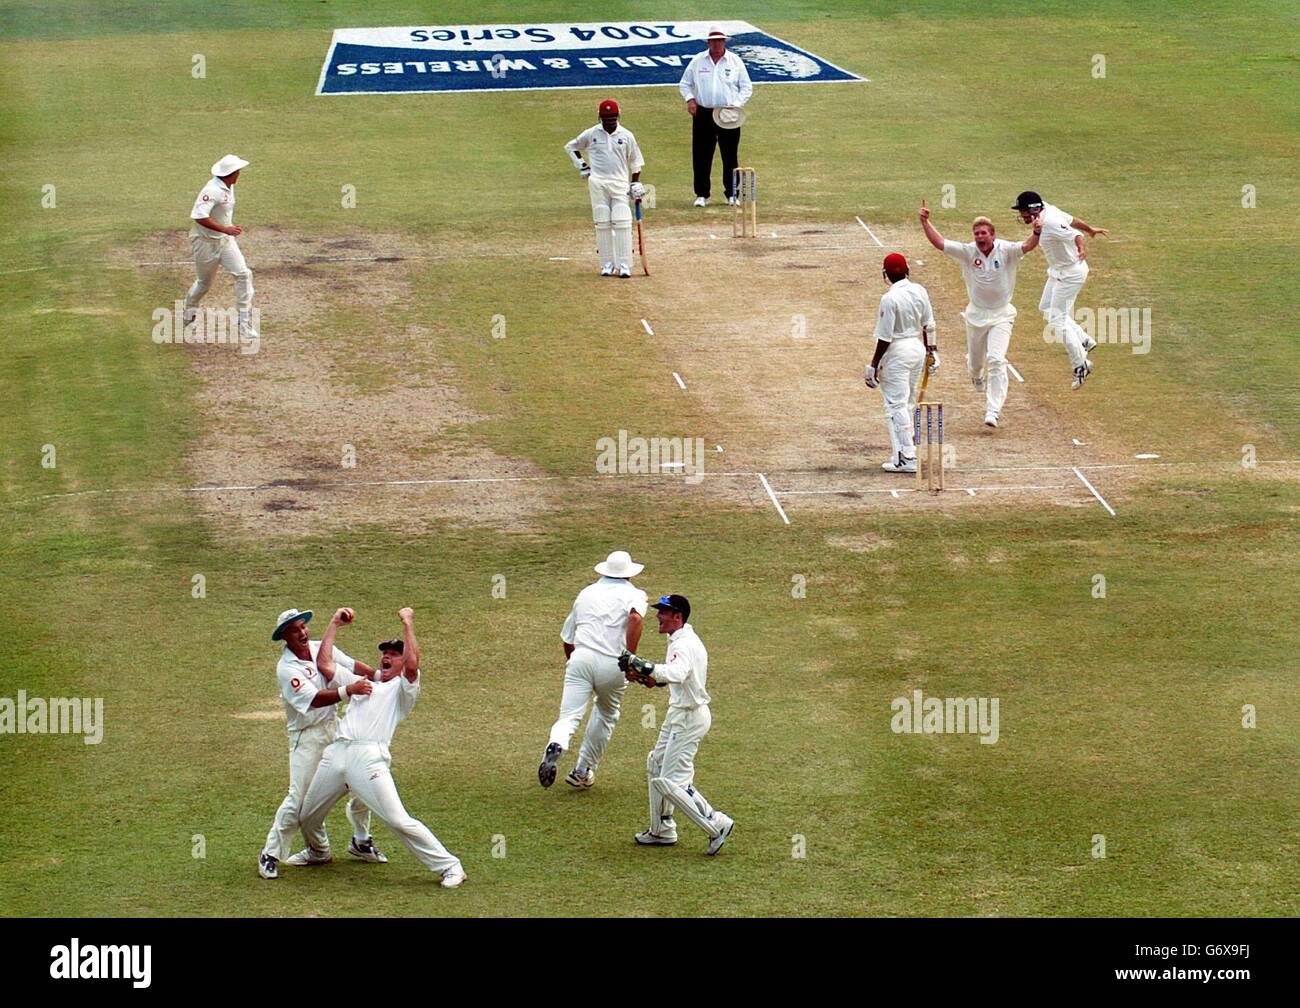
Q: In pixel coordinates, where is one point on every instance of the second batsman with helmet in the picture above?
(613, 173)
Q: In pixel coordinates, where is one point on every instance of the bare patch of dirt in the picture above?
(335, 403)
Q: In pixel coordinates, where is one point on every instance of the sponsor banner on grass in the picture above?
(527, 57)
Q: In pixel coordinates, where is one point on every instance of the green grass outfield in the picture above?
(1120, 716)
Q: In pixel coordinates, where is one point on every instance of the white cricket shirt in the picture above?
(1057, 240)
(716, 85)
(299, 682)
(374, 716)
(904, 309)
(598, 619)
(990, 279)
(685, 669)
(215, 200)
(614, 156)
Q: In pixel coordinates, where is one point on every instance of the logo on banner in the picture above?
(535, 57)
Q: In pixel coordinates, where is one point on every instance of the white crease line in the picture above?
(647, 327)
(1014, 373)
(1094, 491)
(775, 503)
(869, 231)
(1077, 443)
(678, 378)
(894, 492)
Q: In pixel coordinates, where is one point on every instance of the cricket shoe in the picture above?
(648, 839)
(1089, 344)
(580, 780)
(366, 851)
(733, 201)
(728, 824)
(266, 866)
(701, 201)
(309, 857)
(607, 271)
(900, 464)
(624, 272)
(991, 420)
(546, 772)
(1081, 375)
(453, 877)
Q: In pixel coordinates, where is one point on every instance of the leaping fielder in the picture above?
(605, 619)
(988, 265)
(1067, 269)
(359, 760)
(670, 766)
(905, 343)
(613, 177)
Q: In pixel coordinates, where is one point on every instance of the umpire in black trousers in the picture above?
(714, 79)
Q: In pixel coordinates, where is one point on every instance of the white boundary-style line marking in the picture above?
(678, 378)
(1014, 373)
(647, 327)
(869, 231)
(1094, 491)
(775, 503)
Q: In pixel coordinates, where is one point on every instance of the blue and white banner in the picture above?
(535, 57)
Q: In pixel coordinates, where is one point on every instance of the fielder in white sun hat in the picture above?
(228, 165)
(619, 564)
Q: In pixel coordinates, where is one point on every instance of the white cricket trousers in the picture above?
(670, 769)
(306, 747)
(900, 377)
(986, 354)
(613, 218)
(209, 254)
(364, 769)
(589, 677)
(1057, 306)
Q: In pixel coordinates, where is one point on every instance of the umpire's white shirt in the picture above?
(685, 669)
(299, 683)
(614, 156)
(598, 619)
(904, 309)
(990, 279)
(1057, 242)
(374, 716)
(215, 200)
(716, 85)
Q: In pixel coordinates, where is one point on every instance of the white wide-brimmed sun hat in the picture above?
(619, 565)
(228, 165)
(287, 617)
(729, 116)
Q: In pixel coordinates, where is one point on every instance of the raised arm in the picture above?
(410, 649)
(936, 239)
(326, 666)
(1032, 242)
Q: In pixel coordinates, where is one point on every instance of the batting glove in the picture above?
(637, 191)
(933, 363)
(870, 377)
(585, 171)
